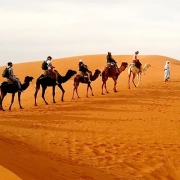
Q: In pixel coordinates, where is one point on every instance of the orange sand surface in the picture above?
(7, 175)
(131, 134)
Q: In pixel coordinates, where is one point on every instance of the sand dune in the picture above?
(7, 175)
(131, 134)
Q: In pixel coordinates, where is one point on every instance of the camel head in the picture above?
(146, 66)
(123, 66)
(71, 72)
(97, 71)
(28, 79)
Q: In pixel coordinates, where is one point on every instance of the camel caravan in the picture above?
(52, 78)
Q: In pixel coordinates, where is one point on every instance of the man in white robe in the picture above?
(166, 71)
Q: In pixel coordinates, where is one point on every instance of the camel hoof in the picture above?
(92, 94)
(47, 104)
(54, 101)
(21, 108)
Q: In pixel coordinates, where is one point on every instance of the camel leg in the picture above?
(43, 93)
(1, 100)
(106, 88)
(129, 77)
(104, 80)
(102, 87)
(77, 91)
(35, 96)
(63, 91)
(19, 100)
(73, 92)
(12, 100)
(53, 94)
(134, 75)
(139, 79)
(91, 90)
(87, 89)
(115, 82)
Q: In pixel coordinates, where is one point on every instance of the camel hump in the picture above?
(111, 69)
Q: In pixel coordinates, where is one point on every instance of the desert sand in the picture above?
(5, 174)
(131, 134)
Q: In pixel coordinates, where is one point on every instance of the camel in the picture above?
(48, 81)
(111, 73)
(79, 79)
(9, 87)
(135, 71)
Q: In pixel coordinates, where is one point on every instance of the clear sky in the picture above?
(32, 30)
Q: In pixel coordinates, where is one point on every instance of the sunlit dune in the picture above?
(131, 134)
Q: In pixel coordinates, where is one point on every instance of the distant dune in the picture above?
(131, 134)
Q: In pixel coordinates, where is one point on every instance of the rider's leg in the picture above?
(55, 74)
(89, 76)
(15, 80)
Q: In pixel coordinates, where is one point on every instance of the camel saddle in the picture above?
(84, 76)
(48, 74)
(8, 81)
(112, 67)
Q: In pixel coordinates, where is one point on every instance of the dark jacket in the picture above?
(82, 67)
(110, 59)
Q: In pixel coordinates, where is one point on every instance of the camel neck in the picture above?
(25, 86)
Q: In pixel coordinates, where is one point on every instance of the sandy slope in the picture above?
(131, 134)
(5, 174)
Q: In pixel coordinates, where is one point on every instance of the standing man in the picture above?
(166, 71)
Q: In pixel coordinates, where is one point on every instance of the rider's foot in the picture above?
(57, 82)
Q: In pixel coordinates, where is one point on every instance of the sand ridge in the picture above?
(131, 134)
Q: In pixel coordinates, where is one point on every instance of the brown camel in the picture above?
(112, 73)
(135, 71)
(79, 79)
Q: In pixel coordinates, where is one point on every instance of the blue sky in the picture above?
(34, 29)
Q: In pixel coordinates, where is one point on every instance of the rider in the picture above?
(50, 68)
(84, 69)
(111, 62)
(12, 77)
(136, 61)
